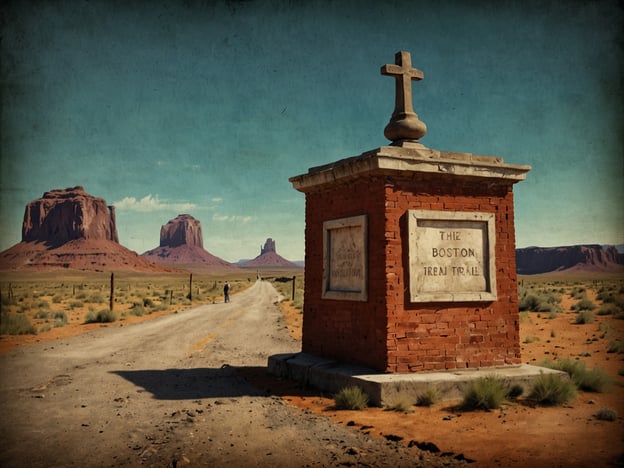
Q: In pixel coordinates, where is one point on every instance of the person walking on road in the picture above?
(226, 291)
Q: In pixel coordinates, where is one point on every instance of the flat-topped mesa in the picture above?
(182, 230)
(64, 215)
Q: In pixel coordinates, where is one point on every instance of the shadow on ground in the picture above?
(227, 381)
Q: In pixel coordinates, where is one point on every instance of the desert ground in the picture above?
(517, 434)
(520, 434)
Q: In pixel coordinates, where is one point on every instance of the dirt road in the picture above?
(171, 392)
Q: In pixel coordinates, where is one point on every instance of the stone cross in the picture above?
(404, 123)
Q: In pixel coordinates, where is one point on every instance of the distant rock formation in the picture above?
(182, 230)
(69, 228)
(535, 260)
(268, 258)
(182, 245)
(269, 246)
(64, 215)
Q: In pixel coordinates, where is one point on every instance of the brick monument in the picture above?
(410, 252)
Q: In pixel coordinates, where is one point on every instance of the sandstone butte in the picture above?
(181, 245)
(269, 258)
(69, 228)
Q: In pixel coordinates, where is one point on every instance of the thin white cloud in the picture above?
(217, 200)
(151, 203)
(228, 219)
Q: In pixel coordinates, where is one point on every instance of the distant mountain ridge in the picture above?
(582, 258)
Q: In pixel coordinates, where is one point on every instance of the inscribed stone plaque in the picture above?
(451, 256)
(345, 259)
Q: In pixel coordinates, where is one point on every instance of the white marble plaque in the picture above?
(345, 259)
(451, 256)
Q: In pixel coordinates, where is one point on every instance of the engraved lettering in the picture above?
(451, 256)
(450, 235)
(435, 271)
(453, 252)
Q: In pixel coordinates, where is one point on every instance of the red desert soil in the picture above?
(514, 435)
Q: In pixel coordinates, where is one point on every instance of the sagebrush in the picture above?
(351, 398)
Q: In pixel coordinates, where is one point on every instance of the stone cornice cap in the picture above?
(408, 160)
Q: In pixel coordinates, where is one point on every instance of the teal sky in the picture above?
(208, 108)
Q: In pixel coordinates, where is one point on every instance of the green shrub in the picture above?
(57, 298)
(147, 302)
(608, 309)
(616, 347)
(428, 397)
(531, 339)
(606, 414)
(573, 368)
(43, 305)
(351, 398)
(401, 402)
(42, 314)
(76, 304)
(16, 324)
(606, 326)
(97, 298)
(60, 319)
(45, 328)
(584, 304)
(611, 298)
(578, 293)
(486, 393)
(137, 309)
(595, 380)
(552, 390)
(584, 317)
(536, 303)
(102, 316)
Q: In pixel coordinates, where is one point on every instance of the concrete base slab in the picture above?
(331, 376)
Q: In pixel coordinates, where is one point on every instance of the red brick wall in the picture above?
(350, 331)
(388, 332)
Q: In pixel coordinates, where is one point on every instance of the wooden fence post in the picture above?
(112, 292)
(191, 288)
